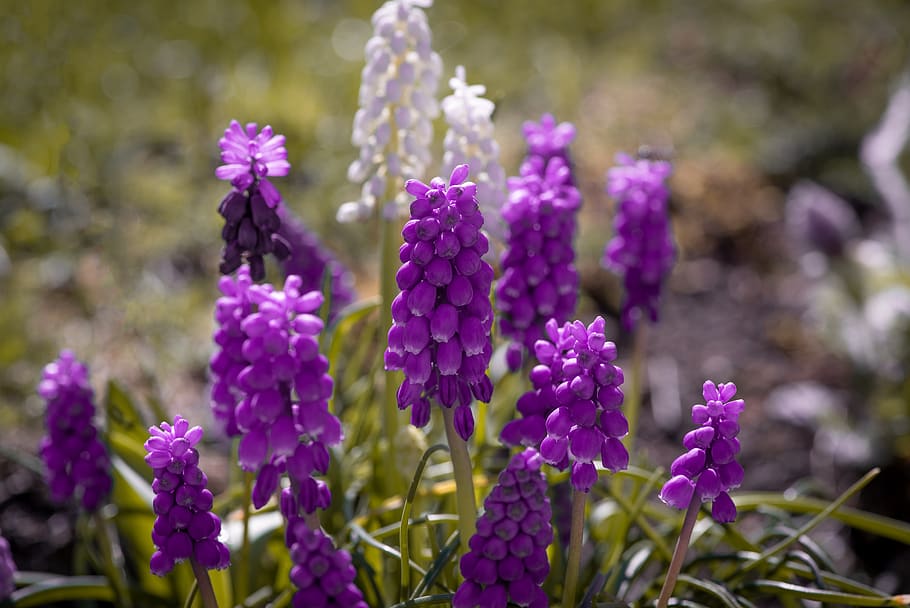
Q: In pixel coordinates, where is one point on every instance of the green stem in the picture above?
(464, 479)
(636, 380)
(243, 569)
(388, 289)
(113, 560)
(679, 554)
(204, 585)
(573, 559)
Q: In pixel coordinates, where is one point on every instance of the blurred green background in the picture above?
(110, 114)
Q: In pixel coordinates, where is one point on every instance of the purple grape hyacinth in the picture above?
(709, 469)
(442, 318)
(185, 527)
(77, 461)
(573, 413)
(7, 570)
(539, 280)
(324, 575)
(250, 209)
(272, 387)
(642, 250)
(507, 561)
(314, 263)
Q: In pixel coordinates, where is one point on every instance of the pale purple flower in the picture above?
(641, 250)
(442, 318)
(77, 461)
(709, 468)
(185, 527)
(394, 126)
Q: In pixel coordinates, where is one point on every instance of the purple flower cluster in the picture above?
(324, 575)
(185, 527)
(272, 387)
(539, 280)
(76, 460)
(443, 316)
(508, 557)
(250, 209)
(314, 264)
(642, 250)
(709, 469)
(7, 570)
(573, 413)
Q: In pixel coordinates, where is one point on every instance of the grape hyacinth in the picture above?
(271, 369)
(324, 575)
(642, 250)
(314, 263)
(7, 570)
(470, 140)
(393, 127)
(250, 209)
(573, 413)
(709, 469)
(442, 317)
(539, 280)
(77, 461)
(185, 527)
(508, 557)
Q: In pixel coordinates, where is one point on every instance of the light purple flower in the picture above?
(507, 561)
(442, 318)
(248, 155)
(573, 414)
(185, 526)
(709, 467)
(77, 461)
(641, 250)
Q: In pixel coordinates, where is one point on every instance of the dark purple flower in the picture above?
(324, 575)
(7, 570)
(539, 280)
(641, 250)
(77, 461)
(314, 264)
(507, 561)
(272, 387)
(185, 526)
(709, 468)
(250, 210)
(442, 318)
(573, 414)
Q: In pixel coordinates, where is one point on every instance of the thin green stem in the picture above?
(204, 584)
(388, 288)
(636, 380)
(243, 568)
(576, 535)
(113, 560)
(679, 554)
(464, 479)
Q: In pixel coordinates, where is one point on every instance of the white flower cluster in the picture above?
(470, 140)
(393, 126)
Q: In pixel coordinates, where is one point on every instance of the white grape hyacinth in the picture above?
(394, 125)
(470, 140)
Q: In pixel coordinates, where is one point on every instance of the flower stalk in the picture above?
(464, 479)
(576, 536)
(204, 585)
(679, 553)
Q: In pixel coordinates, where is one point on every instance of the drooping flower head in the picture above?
(7, 570)
(250, 210)
(709, 469)
(573, 413)
(315, 264)
(394, 126)
(185, 527)
(470, 140)
(442, 318)
(641, 250)
(539, 280)
(324, 575)
(272, 387)
(507, 561)
(77, 461)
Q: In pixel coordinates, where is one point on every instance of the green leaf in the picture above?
(64, 589)
(403, 538)
(122, 413)
(827, 597)
(718, 592)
